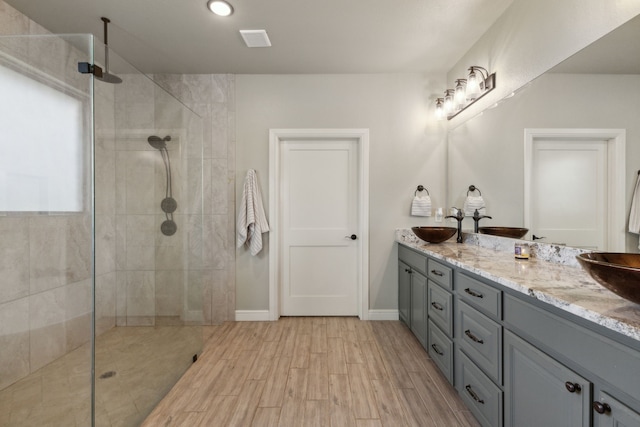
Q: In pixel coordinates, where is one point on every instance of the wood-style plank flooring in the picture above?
(312, 371)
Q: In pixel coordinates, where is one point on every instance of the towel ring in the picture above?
(421, 188)
(473, 188)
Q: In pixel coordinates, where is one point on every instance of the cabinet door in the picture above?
(539, 391)
(404, 292)
(609, 412)
(419, 307)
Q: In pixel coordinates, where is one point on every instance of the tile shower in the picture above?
(139, 295)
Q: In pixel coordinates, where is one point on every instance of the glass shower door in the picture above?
(46, 221)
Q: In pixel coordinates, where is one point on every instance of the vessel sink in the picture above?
(618, 272)
(434, 234)
(514, 232)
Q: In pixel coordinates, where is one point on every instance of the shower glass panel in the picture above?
(148, 243)
(46, 219)
(88, 280)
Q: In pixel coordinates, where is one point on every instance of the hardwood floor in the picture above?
(312, 371)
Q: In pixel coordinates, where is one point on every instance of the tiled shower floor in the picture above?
(147, 362)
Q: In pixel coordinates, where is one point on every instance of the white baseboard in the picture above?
(252, 315)
(383, 315)
(263, 315)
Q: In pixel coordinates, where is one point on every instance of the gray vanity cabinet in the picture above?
(609, 412)
(404, 292)
(539, 391)
(418, 307)
(412, 292)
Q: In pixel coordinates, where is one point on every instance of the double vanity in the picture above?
(525, 342)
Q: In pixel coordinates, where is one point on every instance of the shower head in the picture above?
(157, 142)
(107, 77)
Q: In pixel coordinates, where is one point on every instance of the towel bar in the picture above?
(473, 188)
(421, 188)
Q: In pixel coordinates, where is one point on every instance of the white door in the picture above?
(319, 214)
(569, 192)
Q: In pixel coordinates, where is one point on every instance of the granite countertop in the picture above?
(559, 282)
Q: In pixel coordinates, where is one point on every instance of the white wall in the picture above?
(407, 148)
(533, 36)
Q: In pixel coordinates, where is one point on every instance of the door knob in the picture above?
(352, 237)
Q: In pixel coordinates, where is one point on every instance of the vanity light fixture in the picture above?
(467, 91)
(220, 7)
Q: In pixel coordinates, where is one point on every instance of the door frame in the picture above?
(616, 168)
(276, 139)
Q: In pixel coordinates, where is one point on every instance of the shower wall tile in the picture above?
(77, 332)
(219, 130)
(121, 298)
(216, 229)
(140, 298)
(170, 292)
(78, 299)
(105, 176)
(14, 341)
(105, 295)
(196, 89)
(60, 250)
(140, 242)
(219, 297)
(121, 242)
(47, 315)
(170, 250)
(196, 187)
(105, 241)
(219, 186)
(140, 182)
(14, 256)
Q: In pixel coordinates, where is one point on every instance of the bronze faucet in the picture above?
(476, 218)
(459, 216)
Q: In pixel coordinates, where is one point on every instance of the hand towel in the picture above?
(421, 206)
(471, 203)
(634, 214)
(252, 221)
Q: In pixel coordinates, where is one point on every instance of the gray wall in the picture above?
(407, 148)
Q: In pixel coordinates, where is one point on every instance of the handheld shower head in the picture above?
(157, 142)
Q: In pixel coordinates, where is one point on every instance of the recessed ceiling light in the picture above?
(220, 7)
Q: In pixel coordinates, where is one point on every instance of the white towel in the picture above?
(471, 203)
(252, 221)
(634, 214)
(421, 206)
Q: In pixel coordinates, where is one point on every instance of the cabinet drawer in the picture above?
(617, 413)
(413, 258)
(615, 363)
(441, 351)
(480, 295)
(440, 273)
(482, 397)
(481, 339)
(440, 307)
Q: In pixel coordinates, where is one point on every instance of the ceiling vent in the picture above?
(255, 38)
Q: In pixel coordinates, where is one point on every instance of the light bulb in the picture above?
(460, 96)
(220, 7)
(473, 85)
(439, 109)
(449, 107)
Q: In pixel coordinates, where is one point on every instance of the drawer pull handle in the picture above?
(473, 394)
(437, 350)
(438, 273)
(473, 293)
(601, 408)
(473, 337)
(573, 387)
(437, 306)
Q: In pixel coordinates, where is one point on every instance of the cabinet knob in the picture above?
(352, 237)
(573, 387)
(601, 407)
